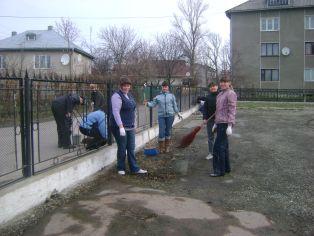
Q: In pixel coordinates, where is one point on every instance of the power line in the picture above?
(87, 17)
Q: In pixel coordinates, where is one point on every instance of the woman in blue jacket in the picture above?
(94, 125)
(167, 108)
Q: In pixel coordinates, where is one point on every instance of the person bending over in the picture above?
(62, 108)
(94, 126)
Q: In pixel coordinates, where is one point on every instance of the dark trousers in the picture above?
(221, 163)
(63, 125)
(93, 132)
(97, 140)
(210, 135)
(126, 147)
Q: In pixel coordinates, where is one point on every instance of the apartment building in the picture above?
(272, 44)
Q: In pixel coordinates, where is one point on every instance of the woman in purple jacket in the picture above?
(226, 104)
(122, 124)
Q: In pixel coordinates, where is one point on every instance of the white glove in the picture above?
(229, 130)
(214, 128)
(122, 131)
(180, 116)
(202, 102)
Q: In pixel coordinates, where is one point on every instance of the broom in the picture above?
(189, 138)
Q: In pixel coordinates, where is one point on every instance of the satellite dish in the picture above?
(187, 74)
(65, 59)
(285, 51)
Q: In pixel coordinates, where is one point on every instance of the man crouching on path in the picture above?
(224, 121)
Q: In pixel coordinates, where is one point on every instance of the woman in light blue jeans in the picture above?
(167, 109)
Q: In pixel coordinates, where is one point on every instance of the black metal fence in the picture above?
(28, 133)
(12, 129)
(28, 130)
(280, 95)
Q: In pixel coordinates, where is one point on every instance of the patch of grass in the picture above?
(274, 105)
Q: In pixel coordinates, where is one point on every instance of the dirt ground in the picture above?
(269, 191)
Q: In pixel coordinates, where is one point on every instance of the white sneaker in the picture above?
(210, 156)
(121, 172)
(140, 171)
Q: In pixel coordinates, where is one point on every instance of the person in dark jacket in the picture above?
(97, 99)
(122, 125)
(62, 108)
(209, 110)
(94, 125)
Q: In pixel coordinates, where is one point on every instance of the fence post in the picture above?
(26, 156)
(32, 124)
(189, 96)
(277, 94)
(109, 91)
(304, 95)
(180, 98)
(22, 120)
(151, 109)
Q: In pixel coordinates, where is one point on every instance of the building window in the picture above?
(278, 2)
(270, 75)
(2, 62)
(309, 75)
(270, 24)
(269, 49)
(309, 22)
(309, 48)
(42, 62)
(30, 36)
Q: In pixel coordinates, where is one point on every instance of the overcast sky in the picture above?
(97, 14)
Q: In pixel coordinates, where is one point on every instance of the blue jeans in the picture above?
(210, 135)
(221, 162)
(126, 147)
(165, 126)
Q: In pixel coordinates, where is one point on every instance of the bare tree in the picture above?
(168, 52)
(234, 62)
(68, 29)
(225, 57)
(15, 63)
(103, 62)
(70, 32)
(120, 43)
(89, 46)
(189, 27)
(230, 59)
(213, 42)
(142, 61)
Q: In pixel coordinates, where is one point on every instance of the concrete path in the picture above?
(129, 210)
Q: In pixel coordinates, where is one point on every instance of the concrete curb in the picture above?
(26, 194)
